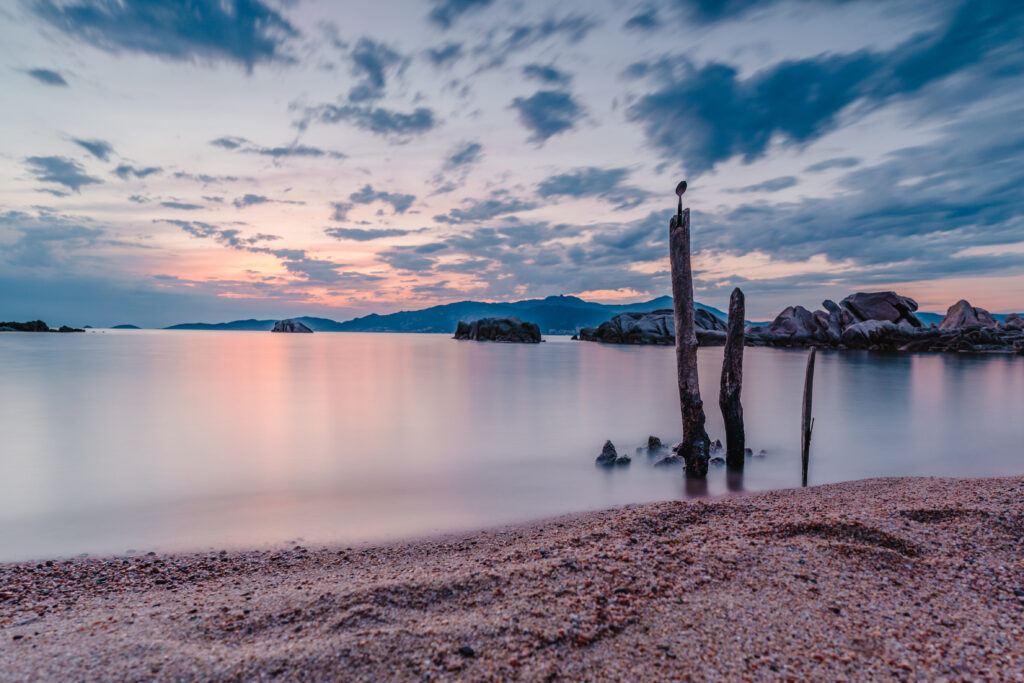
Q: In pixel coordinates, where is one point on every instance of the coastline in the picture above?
(898, 577)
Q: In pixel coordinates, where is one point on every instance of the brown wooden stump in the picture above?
(732, 383)
(807, 422)
(696, 444)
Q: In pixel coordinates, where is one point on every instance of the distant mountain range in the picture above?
(554, 315)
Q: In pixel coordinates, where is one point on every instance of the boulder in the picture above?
(609, 456)
(654, 443)
(881, 306)
(655, 328)
(670, 460)
(795, 325)
(962, 315)
(31, 326)
(508, 330)
(289, 325)
(1014, 322)
(868, 333)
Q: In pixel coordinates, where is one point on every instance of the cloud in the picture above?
(546, 74)
(643, 21)
(206, 179)
(446, 12)
(341, 210)
(246, 32)
(519, 37)
(98, 148)
(444, 55)
(837, 162)
(60, 170)
(547, 113)
(360, 235)
(707, 114)
(237, 144)
(773, 185)
(481, 210)
(371, 61)
(250, 200)
(399, 202)
(47, 76)
(606, 183)
(465, 154)
(43, 240)
(181, 206)
(377, 120)
(125, 171)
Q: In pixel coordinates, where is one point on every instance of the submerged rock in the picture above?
(511, 330)
(289, 325)
(609, 456)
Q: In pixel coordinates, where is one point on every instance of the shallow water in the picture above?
(113, 441)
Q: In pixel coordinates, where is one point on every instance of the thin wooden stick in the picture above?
(732, 383)
(696, 444)
(806, 419)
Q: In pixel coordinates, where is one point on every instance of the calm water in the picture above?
(139, 440)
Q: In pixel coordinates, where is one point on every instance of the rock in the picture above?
(608, 454)
(467, 651)
(748, 451)
(795, 325)
(1018, 348)
(654, 328)
(761, 453)
(31, 326)
(867, 333)
(882, 306)
(670, 460)
(289, 325)
(622, 460)
(654, 443)
(65, 328)
(717, 460)
(716, 446)
(1014, 322)
(962, 315)
(508, 330)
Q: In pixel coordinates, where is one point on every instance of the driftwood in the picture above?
(807, 422)
(732, 383)
(696, 444)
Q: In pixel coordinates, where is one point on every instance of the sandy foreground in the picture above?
(888, 578)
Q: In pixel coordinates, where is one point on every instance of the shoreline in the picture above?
(897, 577)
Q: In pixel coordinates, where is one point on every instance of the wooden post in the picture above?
(732, 383)
(696, 444)
(806, 419)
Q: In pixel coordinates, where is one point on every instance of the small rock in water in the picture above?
(761, 453)
(622, 460)
(716, 447)
(670, 460)
(748, 451)
(717, 460)
(608, 454)
(654, 443)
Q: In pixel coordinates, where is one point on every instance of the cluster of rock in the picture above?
(886, 321)
(35, 326)
(655, 327)
(663, 456)
(289, 325)
(609, 456)
(510, 330)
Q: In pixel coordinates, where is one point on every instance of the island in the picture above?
(508, 330)
(291, 326)
(35, 326)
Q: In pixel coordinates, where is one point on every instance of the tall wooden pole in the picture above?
(807, 422)
(696, 444)
(732, 383)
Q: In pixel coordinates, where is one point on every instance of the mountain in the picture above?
(126, 327)
(554, 315)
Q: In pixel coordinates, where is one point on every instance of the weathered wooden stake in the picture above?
(696, 444)
(807, 421)
(732, 383)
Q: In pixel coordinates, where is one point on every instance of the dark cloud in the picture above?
(379, 120)
(243, 31)
(360, 235)
(249, 200)
(547, 113)
(500, 45)
(837, 162)
(465, 154)
(237, 144)
(125, 171)
(367, 195)
(546, 74)
(446, 12)
(708, 114)
(47, 76)
(181, 206)
(45, 239)
(445, 54)
(98, 148)
(606, 183)
(773, 185)
(341, 210)
(481, 210)
(206, 179)
(371, 61)
(60, 170)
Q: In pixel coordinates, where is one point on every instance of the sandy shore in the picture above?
(885, 578)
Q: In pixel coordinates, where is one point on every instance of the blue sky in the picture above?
(259, 158)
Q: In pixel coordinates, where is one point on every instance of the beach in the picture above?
(904, 578)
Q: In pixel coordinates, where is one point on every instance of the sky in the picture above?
(209, 160)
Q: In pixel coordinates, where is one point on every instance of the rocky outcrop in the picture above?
(35, 326)
(609, 456)
(655, 328)
(289, 325)
(886, 321)
(963, 316)
(510, 330)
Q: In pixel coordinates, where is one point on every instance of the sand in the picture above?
(889, 578)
